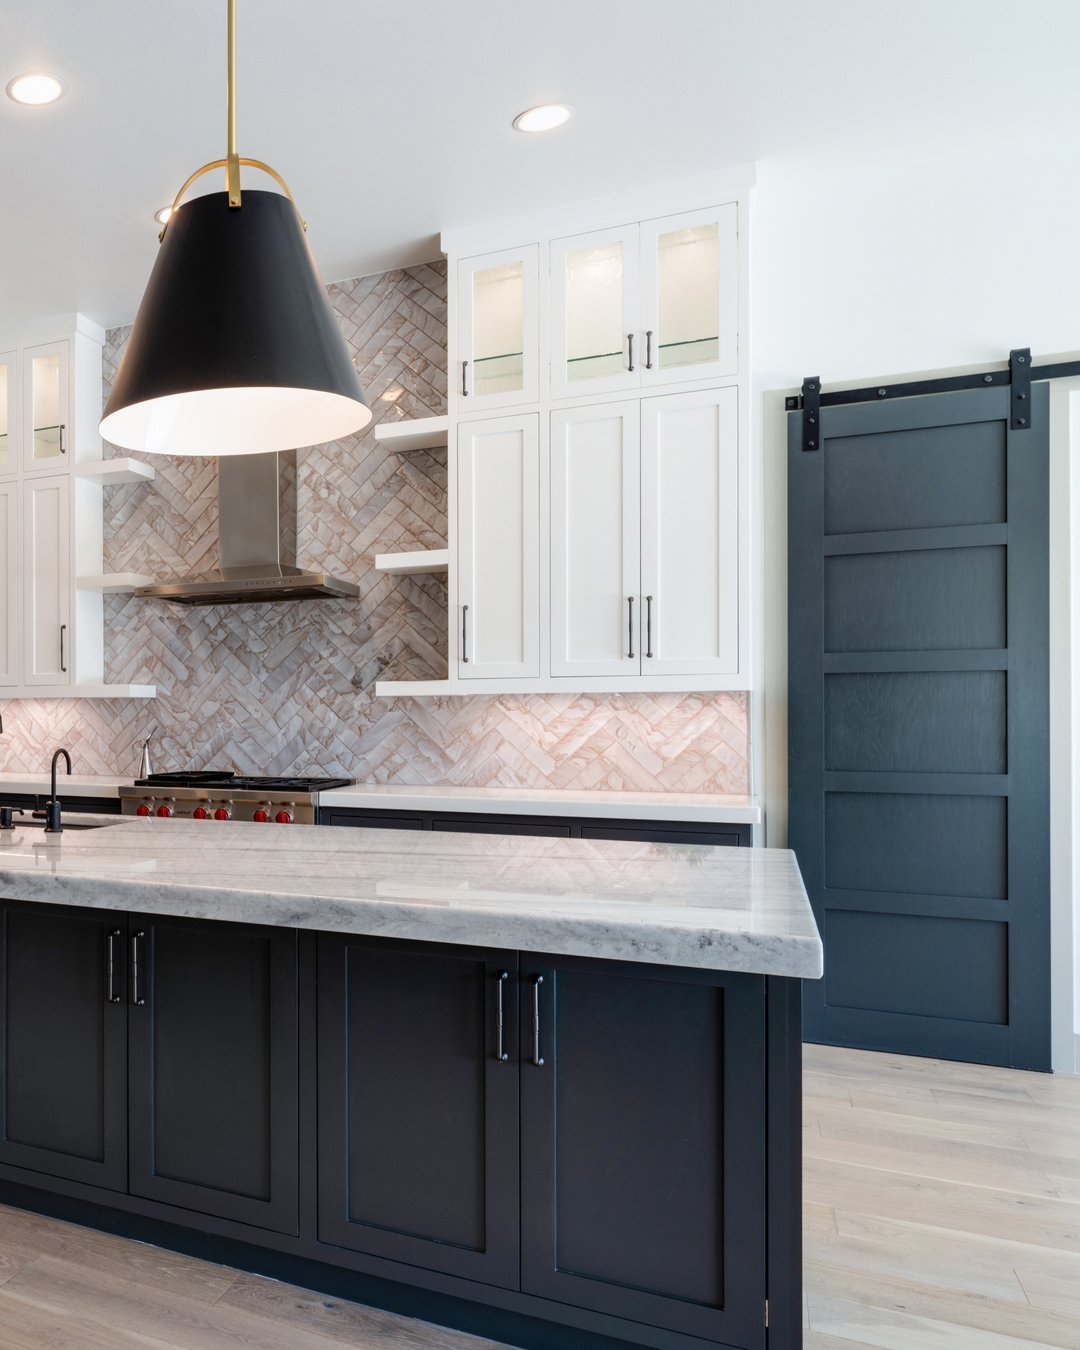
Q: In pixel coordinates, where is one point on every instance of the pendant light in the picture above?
(235, 349)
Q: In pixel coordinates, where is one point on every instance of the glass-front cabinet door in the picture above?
(45, 371)
(9, 434)
(595, 342)
(497, 363)
(689, 296)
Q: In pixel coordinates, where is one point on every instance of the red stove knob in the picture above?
(260, 815)
(164, 811)
(143, 810)
(222, 813)
(284, 818)
(200, 813)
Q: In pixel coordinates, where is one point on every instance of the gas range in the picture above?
(211, 795)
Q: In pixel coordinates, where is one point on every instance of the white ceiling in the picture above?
(390, 119)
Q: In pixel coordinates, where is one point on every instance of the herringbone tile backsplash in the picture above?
(291, 687)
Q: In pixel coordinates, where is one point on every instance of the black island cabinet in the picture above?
(558, 1152)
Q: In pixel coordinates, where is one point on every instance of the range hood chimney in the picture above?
(257, 536)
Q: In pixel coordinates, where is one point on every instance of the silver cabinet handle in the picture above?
(135, 968)
(630, 345)
(464, 377)
(500, 978)
(648, 625)
(113, 996)
(63, 447)
(63, 630)
(464, 634)
(648, 348)
(630, 623)
(538, 1059)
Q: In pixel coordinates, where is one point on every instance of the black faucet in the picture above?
(52, 806)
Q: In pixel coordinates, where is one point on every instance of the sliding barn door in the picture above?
(919, 727)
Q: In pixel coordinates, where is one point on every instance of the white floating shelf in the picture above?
(413, 564)
(411, 688)
(114, 583)
(113, 691)
(417, 433)
(116, 471)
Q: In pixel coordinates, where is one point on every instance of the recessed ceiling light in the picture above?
(162, 216)
(544, 118)
(36, 88)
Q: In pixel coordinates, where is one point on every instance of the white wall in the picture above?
(866, 271)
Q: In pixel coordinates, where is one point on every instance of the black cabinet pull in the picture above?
(63, 447)
(648, 625)
(648, 349)
(630, 623)
(464, 379)
(135, 969)
(630, 348)
(464, 635)
(538, 1059)
(63, 630)
(500, 1053)
(114, 997)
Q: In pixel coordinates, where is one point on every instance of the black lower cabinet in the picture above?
(418, 1104)
(64, 1042)
(213, 1068)
(643, 1144)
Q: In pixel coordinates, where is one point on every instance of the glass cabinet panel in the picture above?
(594, 312)
(497, 330)
(498, 295)
(5, 404)
(45, 405)
(688, 297)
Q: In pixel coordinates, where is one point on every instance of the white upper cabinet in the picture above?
(47, 643)
(497, 327)
(690, 296)
(9, 584)
(595, 544)
(46, 443)
(9, 412)
(690, 527)
(498, 548)
(594, 311)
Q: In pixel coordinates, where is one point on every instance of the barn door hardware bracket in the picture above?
(811, 413)
(1020, 391)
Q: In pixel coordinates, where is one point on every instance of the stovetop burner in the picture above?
(227, 778)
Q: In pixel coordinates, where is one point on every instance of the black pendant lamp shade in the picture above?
(235, 349)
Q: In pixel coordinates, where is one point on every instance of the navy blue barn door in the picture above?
(918, 723)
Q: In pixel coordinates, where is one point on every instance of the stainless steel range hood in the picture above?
(257, 536)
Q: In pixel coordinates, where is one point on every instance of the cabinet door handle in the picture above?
(63, 447)
(113, 996)
(464, 634)
(63, 630)
(630, 346)
(537, 1057)
(630, 623)
(500, 978)
(135, 996)
(648, 348)
(648, 625)
(464, 378)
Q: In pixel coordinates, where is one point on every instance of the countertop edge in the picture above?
(584, 804)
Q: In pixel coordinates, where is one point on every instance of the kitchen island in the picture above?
(546, 1090)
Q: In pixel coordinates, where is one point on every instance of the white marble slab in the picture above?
(74, 785)
(716, 908)
(702, 807)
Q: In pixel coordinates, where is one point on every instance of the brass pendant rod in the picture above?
(232, 168)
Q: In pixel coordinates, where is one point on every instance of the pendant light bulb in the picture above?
(235, 349)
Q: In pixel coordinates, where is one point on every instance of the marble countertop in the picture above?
(703, 807)
(73, 785)
(715, 908)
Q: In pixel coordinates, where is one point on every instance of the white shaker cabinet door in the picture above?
(595, 540)
(9, 585)
(690, 533)
(595, 343)
(690, 296)
(47, 581)
(497, 358)
(498, 514)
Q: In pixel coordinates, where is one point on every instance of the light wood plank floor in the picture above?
(942, 1213)
(942, 1204)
